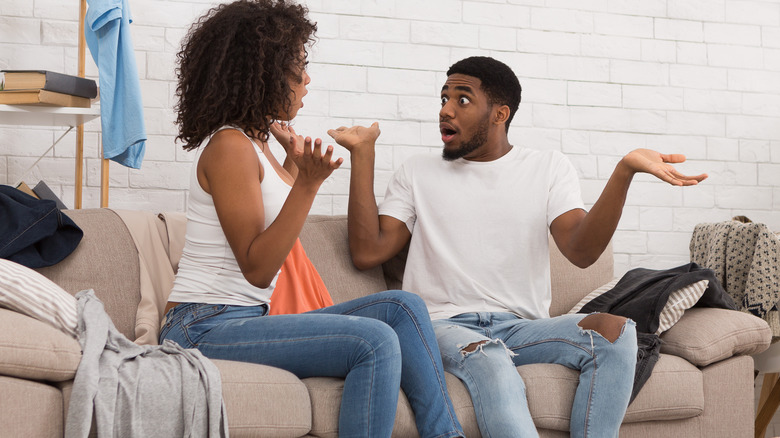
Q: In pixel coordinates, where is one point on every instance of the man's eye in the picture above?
(464, 100)
(444, 100)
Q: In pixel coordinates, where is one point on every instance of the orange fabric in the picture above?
(299, 287)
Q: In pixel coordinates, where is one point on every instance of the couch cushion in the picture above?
(31, 349)
(674, 391)
(264, 401)
(107, 262)
(325, 240)
(706, 335)
(29, 409)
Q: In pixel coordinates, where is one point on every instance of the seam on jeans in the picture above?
(439, 377)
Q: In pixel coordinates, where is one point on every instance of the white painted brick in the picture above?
(754, 151)
(525, 65)
(735, 56)
(383, 159)
(395, 133)
(577, 68)
(173, 39)
(27, 142)
(759, 198)
(399, 81)
(456, 54)
(416, 56)
(651, 8)
(525, 2)
(403, 153)
(732, 173)
(654, 193)
(716, 101)
(615, 47)
(664, 98)
(649, 121)
(753, 127)
(418, 108)
(769, 174)
(20, 30)
(623, 25)
(160, 148)
(445, 34)
(333, 77)
(543, 91)
(738, 34)
(497, 38)
(726, 149)
(550, 116)
(373, 29)
(443, 10)
(660, 261)
(771, 59)
(16, 8)
(594, 94)
(692, 76)
(323, 204)
(669, 244)
(161, 66)
(622, 264)
(536, 138)
(347, 52)
(563, 20)
(770, 37)
(59, 33)
(586, 165)
(655, 218)
(494, 14)
(658, 51)
(148, 199)
(345, 104)
(340, 205)
(160, 175)
(164, 13)
(4, 171)
(558, 43)
(775, 151)
(606, 166)
(686, 219)
(591, 190)
(754, 81)
(697, 10)
(377, 8)
(337, 7)
(629, 219)
(160, 121)
(575, 142)
(680, 122)
(629, 242)
(693, 147)
(117, 174)
(523, 116)
(149, 38)
(678, 30)
(753, 12)
(691, 53)
(56, 9)
(600, 119)
(696, 198)
(643, 73)
(154, 94)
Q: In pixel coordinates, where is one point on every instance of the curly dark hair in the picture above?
(498, 81)
(235, 67)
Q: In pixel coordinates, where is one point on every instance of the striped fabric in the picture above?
(679, 301)
(30, 293)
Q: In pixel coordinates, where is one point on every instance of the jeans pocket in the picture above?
(187, 325)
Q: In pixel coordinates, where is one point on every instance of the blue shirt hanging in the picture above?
(107, 32)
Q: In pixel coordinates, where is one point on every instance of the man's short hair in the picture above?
(498, 81)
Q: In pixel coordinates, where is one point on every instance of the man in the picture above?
(478, 221)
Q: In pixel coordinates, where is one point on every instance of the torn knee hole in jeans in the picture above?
(608, 327)
(478, 347)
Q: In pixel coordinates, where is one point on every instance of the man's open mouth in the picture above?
(447, 132)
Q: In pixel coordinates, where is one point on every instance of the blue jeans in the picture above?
(497, 390)
(375, 343)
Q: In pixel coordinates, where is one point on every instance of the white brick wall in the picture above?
(700, 77)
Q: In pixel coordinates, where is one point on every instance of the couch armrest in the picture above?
(31, 349)
(707, 335)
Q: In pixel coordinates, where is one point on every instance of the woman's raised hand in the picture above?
(282, 132)
(314, 166)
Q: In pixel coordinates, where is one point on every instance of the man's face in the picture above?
(464, 117)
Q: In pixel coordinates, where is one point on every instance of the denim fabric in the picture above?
(34, 232)
(375, 343)
(497, 390)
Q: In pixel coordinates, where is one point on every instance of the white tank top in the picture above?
(208, 270)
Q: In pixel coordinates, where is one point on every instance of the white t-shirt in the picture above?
(480, 229)
(208, 270)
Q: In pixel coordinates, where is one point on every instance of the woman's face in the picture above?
(297, 91)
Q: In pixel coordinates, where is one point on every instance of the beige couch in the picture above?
(702, 385)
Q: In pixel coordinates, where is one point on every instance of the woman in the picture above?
(242, 66)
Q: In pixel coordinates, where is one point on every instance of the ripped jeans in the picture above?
(497, 390)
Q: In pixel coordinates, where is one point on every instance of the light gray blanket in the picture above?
(140, 391)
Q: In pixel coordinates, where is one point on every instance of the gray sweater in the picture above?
(140, 391)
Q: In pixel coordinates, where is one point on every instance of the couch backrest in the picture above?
(570, 283)
(106, 260)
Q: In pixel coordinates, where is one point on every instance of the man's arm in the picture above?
(373, 239)
(581, 236)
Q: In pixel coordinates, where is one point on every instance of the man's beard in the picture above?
(468, 146)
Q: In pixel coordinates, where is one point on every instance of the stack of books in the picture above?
(43, 87)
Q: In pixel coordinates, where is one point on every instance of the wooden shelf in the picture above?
(40, 115)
